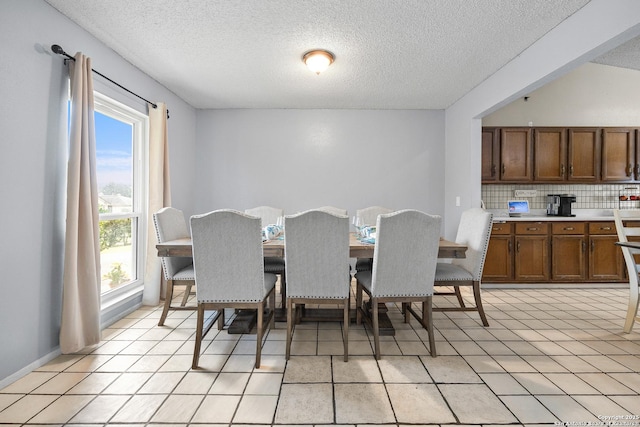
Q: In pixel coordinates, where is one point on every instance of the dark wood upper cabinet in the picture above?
(549, 154)
(490, 154)
(618, 154)
(515, 154)
(583, 154)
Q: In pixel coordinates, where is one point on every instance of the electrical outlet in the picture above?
(526, 193)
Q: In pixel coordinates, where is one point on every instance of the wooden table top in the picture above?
(275, 248)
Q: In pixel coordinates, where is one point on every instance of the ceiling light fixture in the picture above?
(318, 60)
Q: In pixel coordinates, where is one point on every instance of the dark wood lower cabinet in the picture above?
(605, 259)
(532, 258)
(569, 258)
(554, 252)
(498, 265)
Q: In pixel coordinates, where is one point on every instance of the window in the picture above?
(121, 141)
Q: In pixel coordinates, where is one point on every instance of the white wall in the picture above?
(302, 159)
(33, 85)
(595, 29)
(590, 95)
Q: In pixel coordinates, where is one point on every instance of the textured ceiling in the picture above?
(390, 54)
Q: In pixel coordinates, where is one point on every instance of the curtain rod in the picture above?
(55, 48)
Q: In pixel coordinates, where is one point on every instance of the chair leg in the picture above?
(199, 328)
(289, 327)
(272, 307)
(632, 310)
(187, 293)
(375, 326)
(345, 329)
(259, 332)
(405, 311)
(456, 289)
(427, 323)
(358, 303)
(168, 295)
(221, 320)
(478, 298)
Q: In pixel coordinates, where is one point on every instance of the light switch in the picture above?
(457, 200)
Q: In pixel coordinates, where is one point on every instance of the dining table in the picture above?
(275, 248)
(358, 248)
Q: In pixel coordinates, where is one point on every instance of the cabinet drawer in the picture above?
(568, 228)
(501, 228)
(608, 227)
(532, 227)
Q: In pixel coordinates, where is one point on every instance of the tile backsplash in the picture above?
(596, 196)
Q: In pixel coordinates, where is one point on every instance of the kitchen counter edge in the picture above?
(501, 215)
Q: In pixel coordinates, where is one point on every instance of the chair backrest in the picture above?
(474, 231)
(406, 253)
(170, 224)
(227, 257)
(369, 216)
(268, 214)
(317, 255)
(333, 210)
(628, 225)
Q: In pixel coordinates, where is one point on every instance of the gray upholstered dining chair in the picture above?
(229, 270)
(404, 265)
(628, 228)
(269, 215)
(474, 231)
(334, 210)
(317, 261)
(170, 224)
(369, 216)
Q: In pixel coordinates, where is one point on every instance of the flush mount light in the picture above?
(318, 60)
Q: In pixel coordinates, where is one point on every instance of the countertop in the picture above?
(501, 215)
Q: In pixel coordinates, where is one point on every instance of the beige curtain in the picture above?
(159, 197)
(80, 325)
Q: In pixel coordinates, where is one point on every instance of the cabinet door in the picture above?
(490, 154)
(498, 264)
(549, 154)
(568, 257)
(618, 154)
(532, 258)
(583, 154)
(605, 259)
(515, 154)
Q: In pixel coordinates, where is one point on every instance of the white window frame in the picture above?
(140, 124)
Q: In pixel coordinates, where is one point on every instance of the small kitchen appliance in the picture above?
(560, 204)
(565, 204)
(553, 204)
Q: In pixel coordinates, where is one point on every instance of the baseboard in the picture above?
(30, 368)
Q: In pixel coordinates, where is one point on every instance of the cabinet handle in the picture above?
(532, 228)
(605, 228)
(568, 228)
(562, 169)
(593, 246)
(629, 170)
(509, 246)
(493, 170)
(518, 247)
(637, 170)
(503, 169)
(584, 246)
(571, 170)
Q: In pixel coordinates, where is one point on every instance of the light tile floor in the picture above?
(549, 356)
